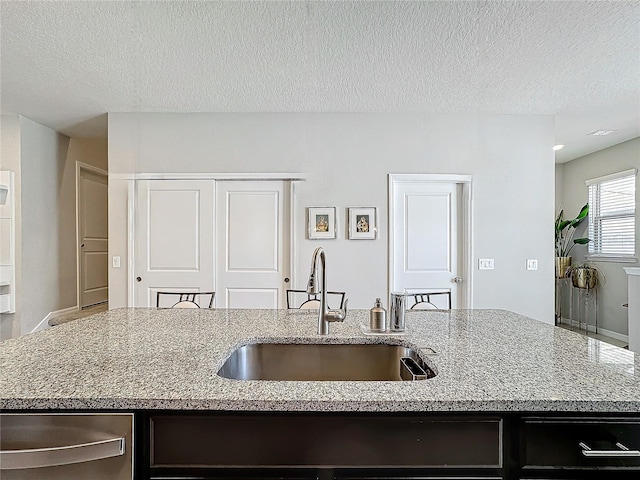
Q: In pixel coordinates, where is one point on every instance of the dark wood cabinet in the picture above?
(359, 446)
(314, 445)
(580, 446)
(299, 440)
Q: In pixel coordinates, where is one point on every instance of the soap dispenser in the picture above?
(378, 317)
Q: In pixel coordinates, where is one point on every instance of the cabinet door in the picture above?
(66, 446)
(581, 443)
(324, 441)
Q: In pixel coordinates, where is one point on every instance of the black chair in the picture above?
(422, 300)
(187, 299)
(300, 299)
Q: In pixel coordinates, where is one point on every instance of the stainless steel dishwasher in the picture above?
(66, 446)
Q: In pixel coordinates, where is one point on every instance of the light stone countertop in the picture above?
(486, 360)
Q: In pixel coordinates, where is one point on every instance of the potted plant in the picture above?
(585, 276)
(565, 229)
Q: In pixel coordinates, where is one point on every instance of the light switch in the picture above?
(116, 262)
(532, 263)
(485, 264)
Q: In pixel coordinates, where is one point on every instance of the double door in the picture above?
(231, 237)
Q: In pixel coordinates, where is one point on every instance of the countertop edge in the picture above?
(320, 406)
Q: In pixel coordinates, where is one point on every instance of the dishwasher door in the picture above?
(66, 446)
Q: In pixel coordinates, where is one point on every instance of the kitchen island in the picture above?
(501, 379)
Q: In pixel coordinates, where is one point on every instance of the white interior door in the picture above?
(425, 224)
(93, 236)
(252, 236)
(174, 238)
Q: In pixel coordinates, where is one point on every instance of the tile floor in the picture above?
(85, 312)
(612, 341)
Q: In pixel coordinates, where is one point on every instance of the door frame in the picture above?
(80, 166)
(466, 224)
(132, 187)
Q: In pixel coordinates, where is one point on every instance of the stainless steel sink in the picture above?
(323, 362)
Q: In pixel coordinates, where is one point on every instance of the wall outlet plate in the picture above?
(532, 263)
(485, 264)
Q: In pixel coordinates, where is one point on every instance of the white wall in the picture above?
(347, 158)
(44, 165)
(613, 294)
(559, 187)
(43, 152)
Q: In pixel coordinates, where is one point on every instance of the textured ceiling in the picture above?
(64, 64)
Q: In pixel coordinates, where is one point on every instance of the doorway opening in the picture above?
(92, 230)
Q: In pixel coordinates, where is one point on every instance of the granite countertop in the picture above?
(486, 360)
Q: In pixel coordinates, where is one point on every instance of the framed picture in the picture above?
(363, 223)
(321, 222)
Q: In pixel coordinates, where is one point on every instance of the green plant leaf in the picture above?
(564, 230)
(581, 241)
(562, 225)
(581, 216)
(584, 212)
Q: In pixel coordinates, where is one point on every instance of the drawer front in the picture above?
(323, 441)
(581, 443)
(66, 446)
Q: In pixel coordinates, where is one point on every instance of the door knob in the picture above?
(286, 279)
(457, 280)
(138, 279)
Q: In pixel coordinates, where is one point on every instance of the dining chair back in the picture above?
(185, 299)
(424, 301)
(300, 299)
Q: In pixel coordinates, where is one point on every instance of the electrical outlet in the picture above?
(116, 262)
(485, 264)
(532, 263)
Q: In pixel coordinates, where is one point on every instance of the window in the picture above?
(612, 215)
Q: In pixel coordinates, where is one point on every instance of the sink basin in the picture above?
(324, 361)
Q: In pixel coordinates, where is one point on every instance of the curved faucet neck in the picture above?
(324, 314)
(312, 287)
(318, 254)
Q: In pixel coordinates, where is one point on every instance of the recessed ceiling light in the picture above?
(601, 132)
(558, 147)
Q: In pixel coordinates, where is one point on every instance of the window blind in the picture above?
(612, 215)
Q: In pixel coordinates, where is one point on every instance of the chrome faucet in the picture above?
(324, 314)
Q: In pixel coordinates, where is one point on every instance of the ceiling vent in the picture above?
(601, 132)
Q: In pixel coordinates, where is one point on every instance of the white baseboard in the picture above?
(44, 324)
(601, 331)
(612, 334)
